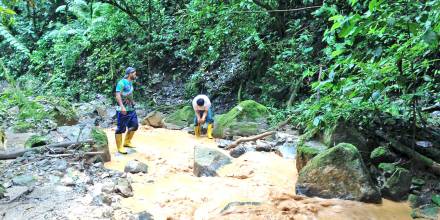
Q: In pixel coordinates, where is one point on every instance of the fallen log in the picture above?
(15, 154)
(251, 138)
(434, 166)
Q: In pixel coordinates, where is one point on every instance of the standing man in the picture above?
(202, 108)
(126, 114)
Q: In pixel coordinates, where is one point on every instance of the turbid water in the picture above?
(257, 185)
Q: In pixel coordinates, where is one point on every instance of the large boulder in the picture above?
(397, 186)
(306, 151)
(208, 160)
(154, 119)
(245, 119)
(344, 132)
(338, 172)
(181, 118)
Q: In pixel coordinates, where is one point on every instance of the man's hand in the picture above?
(123, 110)
(202, 121)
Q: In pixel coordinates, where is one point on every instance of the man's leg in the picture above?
(210, 121)
(122, 124)
(197, 127)
(132, 127)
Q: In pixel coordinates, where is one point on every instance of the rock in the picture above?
(123, 187)
(305, 152)
(436, 199)
(145, 216)
(100, 144)
(154, 119)
(181, 118)
(287, 151)
(381, 155)
(16, 140)
(2, 191)
(64, 113)
(222, 143)
(76, 132)
(16, 192)
(428, 211)
(102, 199)
(398, 185)
(35, 141)
(23, 180)
(247, 118)
(135, 166)
(338, 172)
(238, 151)
(265, 146)
(68, 181)
(108, 187)
(60, 165)
(107, 212)
(344, 132)
(207, 161)
(414, 201)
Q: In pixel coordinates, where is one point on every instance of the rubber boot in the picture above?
(209, 132)
(128, 137)
(119, 146)
(197, 130)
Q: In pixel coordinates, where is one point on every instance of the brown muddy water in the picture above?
(257, 185)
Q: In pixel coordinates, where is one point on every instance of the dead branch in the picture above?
(251, 138)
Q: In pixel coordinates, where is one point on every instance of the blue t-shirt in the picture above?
(125, 87)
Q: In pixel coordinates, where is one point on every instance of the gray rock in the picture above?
(124, 188)
(207, 161)
(16, 192)
(23, 180)
(338, 172)
(135, 166)
(145, 216)
(60, 165)
(76, 132)
(154, 119)
(397, 186)
(68, 181)
(429, 212)
(222, 143)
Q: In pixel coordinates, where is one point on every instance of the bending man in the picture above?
(126, 114)
(202, 108)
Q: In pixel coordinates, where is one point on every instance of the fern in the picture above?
(9, 38)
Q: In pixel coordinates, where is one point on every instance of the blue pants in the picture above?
(209, 117)
(129, 121)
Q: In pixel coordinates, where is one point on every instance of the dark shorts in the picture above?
(129, 121)
(209, 117)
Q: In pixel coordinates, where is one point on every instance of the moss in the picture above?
(247, 111)
(306, 151)
(35, 141)
(398, 185)
(436, 199)
(99, 137)
(387, 167)
(22, 126)
(381, 154)
(182, 117)
(338, 155)
(414, 200)
(418, 182)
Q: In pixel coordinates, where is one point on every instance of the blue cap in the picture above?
(129, 70)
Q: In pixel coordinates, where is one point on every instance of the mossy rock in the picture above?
(101, 143)
(344, 132)
(183, 117)
(306, 151)
(61, 109)
(414, 200)
(247, 118)
(387, 168)
(381, 155)
(338, 172)
(35, 141)
(397, 186)
(429, 211)
(436, 199)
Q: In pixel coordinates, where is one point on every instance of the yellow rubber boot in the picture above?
(197, 130)
(209, 132)
(128, 137)
(119, 146)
